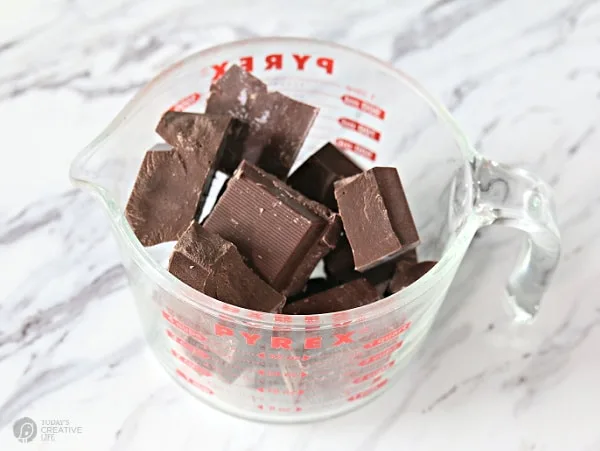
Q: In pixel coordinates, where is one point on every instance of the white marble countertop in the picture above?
(523, 79)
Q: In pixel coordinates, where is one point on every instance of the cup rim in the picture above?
(204, 303)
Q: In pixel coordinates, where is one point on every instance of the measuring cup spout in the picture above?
(104, 166)
(85, 171)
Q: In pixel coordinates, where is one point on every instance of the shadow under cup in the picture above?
(276, 367)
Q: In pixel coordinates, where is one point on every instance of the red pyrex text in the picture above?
(276, 61)
(252, 339)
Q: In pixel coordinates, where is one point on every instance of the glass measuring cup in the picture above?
(281, 368)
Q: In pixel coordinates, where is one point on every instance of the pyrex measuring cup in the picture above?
(288, 369)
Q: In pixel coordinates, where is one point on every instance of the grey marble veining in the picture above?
(522, 79)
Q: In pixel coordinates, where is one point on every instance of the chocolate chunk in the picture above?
(166, 195)
(281, 233)
(212, 265)
(339, 263)
(278, 124)
(316, 176)
(313, 286)
(215, 134)
(343, 297)
(376, 217)
(408, 272)
(234, 93)
(339, 267)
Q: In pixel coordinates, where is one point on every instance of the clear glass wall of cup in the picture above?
(279, 368)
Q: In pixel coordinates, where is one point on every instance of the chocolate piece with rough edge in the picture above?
(408, 272)
(278, 125)
(339, 267)
(282, 233)
(234, 92)
(343, 297)
(316, 176)
(165, 196)
(376, 217)
(200, 134)
(212, 265)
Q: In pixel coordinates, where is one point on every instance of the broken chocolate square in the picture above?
(282, 233)
(408, 272)
(343, 297)
(316, 176)
(376, 217)
(212, 265)
(216, 134)
(278, 125)
(166, 195)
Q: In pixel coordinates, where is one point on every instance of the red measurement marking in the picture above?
(262, 355)
(279, 409)
(356, 148)
(269, 373)
(195, 383)
(389, 336)
(381, 354)
(197, 368)
(276, 391)
(365, 130)
(283, 319)
(255, 315)
(368, 391)
(374, 373)
(194, 350)
(183, 327)
(186, 102)
(364, 106)
(230, 308)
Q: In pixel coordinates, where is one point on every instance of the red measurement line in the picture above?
(194, 382)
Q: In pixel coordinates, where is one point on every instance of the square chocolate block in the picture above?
(281, 233)
(376, 217)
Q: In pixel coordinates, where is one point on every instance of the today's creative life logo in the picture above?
(25, 429)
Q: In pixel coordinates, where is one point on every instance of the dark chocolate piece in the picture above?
(408, 272)
(234, 93)
(339, 267)
(217, 134)
(376, 217)
(313, 286)
(339, 263)
(278, 124)
(166, 195)
(212, 265)
(343, 297)
(316, 176)
(281, 233)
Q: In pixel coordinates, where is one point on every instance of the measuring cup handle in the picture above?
(516, 198)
